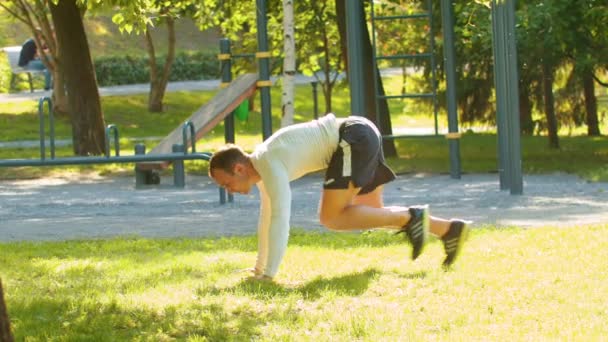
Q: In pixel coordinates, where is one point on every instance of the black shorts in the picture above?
(359, 157)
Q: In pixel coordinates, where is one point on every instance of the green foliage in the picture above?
(116, 70)
(508, 283)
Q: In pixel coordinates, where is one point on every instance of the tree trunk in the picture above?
(289, 64)
(550, 105)
(83, 96)
(593, 128)
(159, 81)
(59, 97)
(5, 323)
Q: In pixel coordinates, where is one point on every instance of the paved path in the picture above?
(59, 209)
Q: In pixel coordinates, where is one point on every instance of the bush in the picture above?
(131, 70)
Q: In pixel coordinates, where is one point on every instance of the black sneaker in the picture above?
(417, 229)
(453, 241)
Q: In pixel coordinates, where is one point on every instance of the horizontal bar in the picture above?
(406, 96)
(406, 56)
(104, 160)
(404, 136)
(404, 16)
(243, 55)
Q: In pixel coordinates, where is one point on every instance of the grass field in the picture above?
(509, 285)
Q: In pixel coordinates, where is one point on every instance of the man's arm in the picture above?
(273, 230)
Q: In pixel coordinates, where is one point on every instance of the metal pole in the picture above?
(229, 120)
(264, 66)
(140, 175)
(354, 39)
(179, 173)
(500, 74)
(515, 168)
(315, 99)
(449, 60)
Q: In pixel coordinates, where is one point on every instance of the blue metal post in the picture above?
(449, 60)
(179, 173)
(315, 99)
(354, 40)
(226, 63)
(515, 167)
(264, 66)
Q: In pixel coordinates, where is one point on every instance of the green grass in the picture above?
(510, 284)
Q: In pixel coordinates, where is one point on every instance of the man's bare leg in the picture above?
(363, 204)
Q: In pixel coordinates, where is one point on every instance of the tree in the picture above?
(323, 59)
(84, 104)
(35, 15)
(5, 324)
(143, 16)
(289, 64)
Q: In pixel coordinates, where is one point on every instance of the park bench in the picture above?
(198, 124)
(12, 52)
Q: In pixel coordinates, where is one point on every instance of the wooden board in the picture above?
(207, 116)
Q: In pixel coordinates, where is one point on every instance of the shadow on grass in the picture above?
(92, 321)
(353, 284)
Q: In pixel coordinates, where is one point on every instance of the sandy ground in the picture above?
(62, 209)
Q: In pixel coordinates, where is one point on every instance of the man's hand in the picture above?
(261, 277)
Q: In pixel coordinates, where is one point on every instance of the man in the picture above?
(351, 151)
(30, 59)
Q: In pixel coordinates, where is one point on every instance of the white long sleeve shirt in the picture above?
(287, 155)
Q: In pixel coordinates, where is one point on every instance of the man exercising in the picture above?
(351, 151)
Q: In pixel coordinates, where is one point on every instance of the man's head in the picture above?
(231, 169)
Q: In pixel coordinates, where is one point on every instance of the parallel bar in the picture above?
(406, 56)
(407, 96)
(405, 16)
(404, 136)
(104, 160)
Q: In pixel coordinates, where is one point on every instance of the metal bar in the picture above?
(515, 168)
(354, 34)
(104, 160)
(406, 56)
(403, 136)
(315, 98)
(179, 173)
(140, 175)
(500, 72)
(243, 55)
(225, 47)
(375, 61)
(407, 96)
(433, 66)
(264, 67)
(109, 129)
(41, 128)
(404, 16)
(185, 126)
(450, 66)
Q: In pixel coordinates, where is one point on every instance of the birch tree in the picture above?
(289, 64)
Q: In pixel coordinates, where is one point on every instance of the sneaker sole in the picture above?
(463, 237)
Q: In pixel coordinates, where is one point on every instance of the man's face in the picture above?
(237, 182)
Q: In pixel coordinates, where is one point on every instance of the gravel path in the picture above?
(60, 209)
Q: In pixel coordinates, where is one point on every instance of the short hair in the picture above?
(226, 157)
